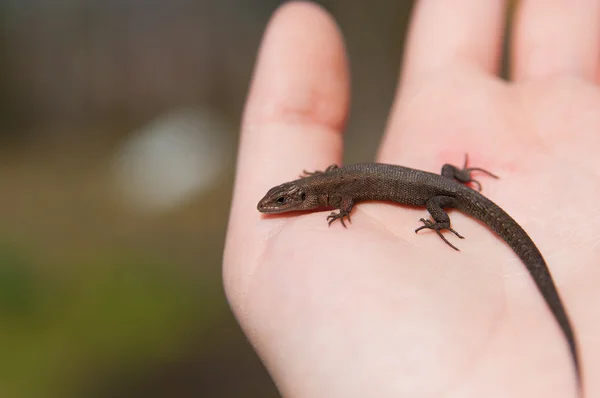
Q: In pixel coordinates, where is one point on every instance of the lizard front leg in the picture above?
(310, 173)
(345, 205)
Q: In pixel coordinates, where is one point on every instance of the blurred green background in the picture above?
(118, 129)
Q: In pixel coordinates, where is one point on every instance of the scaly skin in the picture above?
(342, 187)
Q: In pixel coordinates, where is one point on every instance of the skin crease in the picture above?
(375, 309)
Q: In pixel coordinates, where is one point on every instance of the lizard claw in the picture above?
(464, 175)
(311, 173)
(438, 227)
(339, 216)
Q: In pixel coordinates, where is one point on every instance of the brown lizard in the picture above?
(342, 187)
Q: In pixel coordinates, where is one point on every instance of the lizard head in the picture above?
(282, 198)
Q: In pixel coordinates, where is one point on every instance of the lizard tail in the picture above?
(516, 237)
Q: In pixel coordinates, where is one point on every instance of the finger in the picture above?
(298, 99)
(454, 33)
(556, 37)
(295, 111)
(453, 46)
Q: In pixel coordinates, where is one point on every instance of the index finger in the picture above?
(295, 112)
(298, 100)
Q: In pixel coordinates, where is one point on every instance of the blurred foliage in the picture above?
(123, 310)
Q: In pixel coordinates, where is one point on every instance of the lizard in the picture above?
(341, 187)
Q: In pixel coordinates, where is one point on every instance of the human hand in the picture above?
(376, 310)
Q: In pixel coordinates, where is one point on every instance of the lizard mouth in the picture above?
(266, 208)
(263, 208)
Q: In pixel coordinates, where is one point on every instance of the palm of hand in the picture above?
(377, 310)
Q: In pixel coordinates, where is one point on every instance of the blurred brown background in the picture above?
(118, 130)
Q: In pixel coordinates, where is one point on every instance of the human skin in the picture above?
(375, 309)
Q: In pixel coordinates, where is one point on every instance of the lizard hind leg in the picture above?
(464, 175)
(435, 207)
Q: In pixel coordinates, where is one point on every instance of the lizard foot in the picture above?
(438, 227)
(464, 175)
(310, 173)
(339, 216)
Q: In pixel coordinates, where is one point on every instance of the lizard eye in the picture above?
(281, 200)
